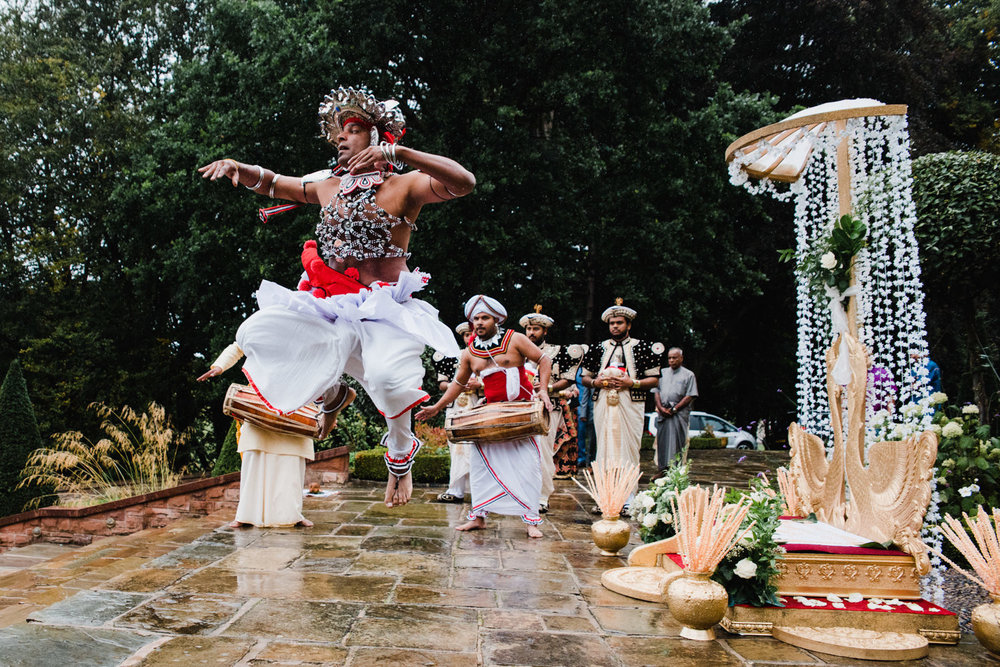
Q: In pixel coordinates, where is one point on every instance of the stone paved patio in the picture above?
(367, 585)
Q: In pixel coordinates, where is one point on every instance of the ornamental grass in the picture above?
(610, 485)
(132, 460)
(983, 555)
(707, 528)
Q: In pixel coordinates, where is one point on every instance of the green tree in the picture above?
(19, 437)
(973, 29)
(229, 457)
(808, 52)
(958, 227)
(600, 175)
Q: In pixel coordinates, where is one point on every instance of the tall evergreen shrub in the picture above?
(229, 459)
(19, 437)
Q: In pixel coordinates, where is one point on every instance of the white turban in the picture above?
(484, 304)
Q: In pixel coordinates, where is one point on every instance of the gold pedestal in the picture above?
(854, 643)
(936, 629)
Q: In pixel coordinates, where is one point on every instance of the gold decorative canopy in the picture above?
(785, 147)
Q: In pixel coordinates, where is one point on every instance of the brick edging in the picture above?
(79, 525)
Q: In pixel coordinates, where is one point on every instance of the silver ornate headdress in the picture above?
(340, 104)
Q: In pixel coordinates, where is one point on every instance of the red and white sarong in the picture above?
(506, 477)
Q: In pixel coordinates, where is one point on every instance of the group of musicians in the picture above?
(618, 372)
(354, 313)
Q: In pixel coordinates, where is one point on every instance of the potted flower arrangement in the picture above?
(652, 509)
(748, 569)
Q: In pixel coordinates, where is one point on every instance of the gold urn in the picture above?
(986, 625)
(698, 603)
(610, 534)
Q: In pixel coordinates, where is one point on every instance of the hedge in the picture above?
(430, 467)
(707, 443)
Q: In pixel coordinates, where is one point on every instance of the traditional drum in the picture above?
(495, 422)
(242, 402)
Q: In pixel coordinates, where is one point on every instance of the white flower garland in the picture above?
(891, 317)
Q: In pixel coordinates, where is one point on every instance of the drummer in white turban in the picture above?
(505, 476)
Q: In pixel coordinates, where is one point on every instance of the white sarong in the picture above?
(619, 430)
(271, 489)
(298, 345)
(506, 477)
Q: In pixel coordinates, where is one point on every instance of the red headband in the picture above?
(360, 121)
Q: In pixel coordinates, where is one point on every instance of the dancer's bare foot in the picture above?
(476, 524)
(533, 531)
(305, 523)
(398, 490)
(335, 399)
(237, 524)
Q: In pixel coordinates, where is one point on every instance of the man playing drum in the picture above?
(505, 476)
(273, 466)
(366, 324)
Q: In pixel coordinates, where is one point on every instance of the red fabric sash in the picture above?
(495, 386)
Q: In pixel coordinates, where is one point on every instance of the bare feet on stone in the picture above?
(476, 524)
(398, 490)
(305, 523)
(237, 524)
(533, 531)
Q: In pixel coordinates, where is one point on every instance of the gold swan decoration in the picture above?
(887, 498)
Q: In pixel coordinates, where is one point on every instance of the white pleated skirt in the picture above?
(271, 489)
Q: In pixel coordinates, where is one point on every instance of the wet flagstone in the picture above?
(406, 544)
(274, 558)
(296, 620)
(516, 580)
(459, 597)
(187, 651)
(143, 580)
(183, 614)
(354, 529)
(288, 653)
(444, 634)
(34, 645)
(505, 647)
(657, 622)
(288, 584)
(549, 603)
(396, 656)
(89, 608)
(512, 620)
(368, 585)
(643, 651)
